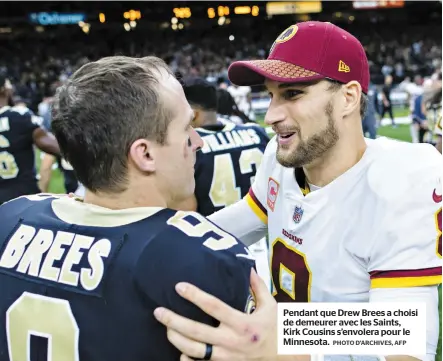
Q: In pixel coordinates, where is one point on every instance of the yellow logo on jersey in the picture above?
(343, 68)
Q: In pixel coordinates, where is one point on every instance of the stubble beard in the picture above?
(314, 147)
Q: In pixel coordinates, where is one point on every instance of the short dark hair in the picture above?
(335, 85)
(101, 110)
(201, 93)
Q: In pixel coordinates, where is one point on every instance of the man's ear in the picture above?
(142, 154)
(196, 122)
(352, 93)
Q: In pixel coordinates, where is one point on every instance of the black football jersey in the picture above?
(81, 282)
(226, 165)
(17, 157)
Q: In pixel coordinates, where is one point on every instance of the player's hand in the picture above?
(239, 336)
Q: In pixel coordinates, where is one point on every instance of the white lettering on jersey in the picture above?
(228, 140)
(34, 252)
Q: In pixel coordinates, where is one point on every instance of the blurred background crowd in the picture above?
(42, 44)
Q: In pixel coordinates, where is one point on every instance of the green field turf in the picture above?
(401, 133)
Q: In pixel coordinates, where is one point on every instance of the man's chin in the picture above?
(284, 159)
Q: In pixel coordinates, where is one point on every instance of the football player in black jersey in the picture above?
(230, 156)
(81, 280)
(20, 130)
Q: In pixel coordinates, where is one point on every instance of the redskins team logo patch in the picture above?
(287, 34)
(272, 193)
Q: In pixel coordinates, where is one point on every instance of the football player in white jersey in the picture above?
(243, 99)
(350, 219)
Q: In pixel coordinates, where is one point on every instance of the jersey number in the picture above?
(291, 276)
(8, 165)
(42, 316)
(223, 190)
(195, 225)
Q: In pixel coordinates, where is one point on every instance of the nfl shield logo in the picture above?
(298, 213)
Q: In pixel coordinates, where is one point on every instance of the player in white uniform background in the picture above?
(242, 97)
(433, 113)
(414, 89)
(349, 219)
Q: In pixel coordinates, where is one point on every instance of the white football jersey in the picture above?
(240, 95)
(376, 226)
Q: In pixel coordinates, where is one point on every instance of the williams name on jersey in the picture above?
(226, 165)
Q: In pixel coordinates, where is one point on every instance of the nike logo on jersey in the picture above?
(436, 197)
(248, 255)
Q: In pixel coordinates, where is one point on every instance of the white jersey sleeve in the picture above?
(263, 191)
(407, 241)
(239, 220)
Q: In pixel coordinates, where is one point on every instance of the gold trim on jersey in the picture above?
(71, 211)
(439, 233)
(306, 190)
(402, 282)
(256, 209)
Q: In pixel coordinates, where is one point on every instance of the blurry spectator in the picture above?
(386, 99)
(44, 111)
(419, 117)
(243, 98)
(414, 90)
(370, 118)
(35, 61)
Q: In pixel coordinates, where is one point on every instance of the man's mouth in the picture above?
(286, 137)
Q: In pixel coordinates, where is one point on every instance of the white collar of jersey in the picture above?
(306, 189)
(83, 214)
(4, 109)
(313, 188)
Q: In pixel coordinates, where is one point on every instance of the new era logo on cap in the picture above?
(305, 52)
(342, 67)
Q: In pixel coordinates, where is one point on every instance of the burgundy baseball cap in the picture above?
(307, 51)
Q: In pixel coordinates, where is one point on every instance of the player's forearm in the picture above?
(48, 145)
(46, 142)
(45, 176)
(45, 172)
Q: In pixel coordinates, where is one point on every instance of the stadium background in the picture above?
(42, 43)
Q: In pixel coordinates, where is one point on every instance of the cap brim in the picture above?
(254, 72)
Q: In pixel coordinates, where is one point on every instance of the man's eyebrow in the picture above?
(298, 85)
